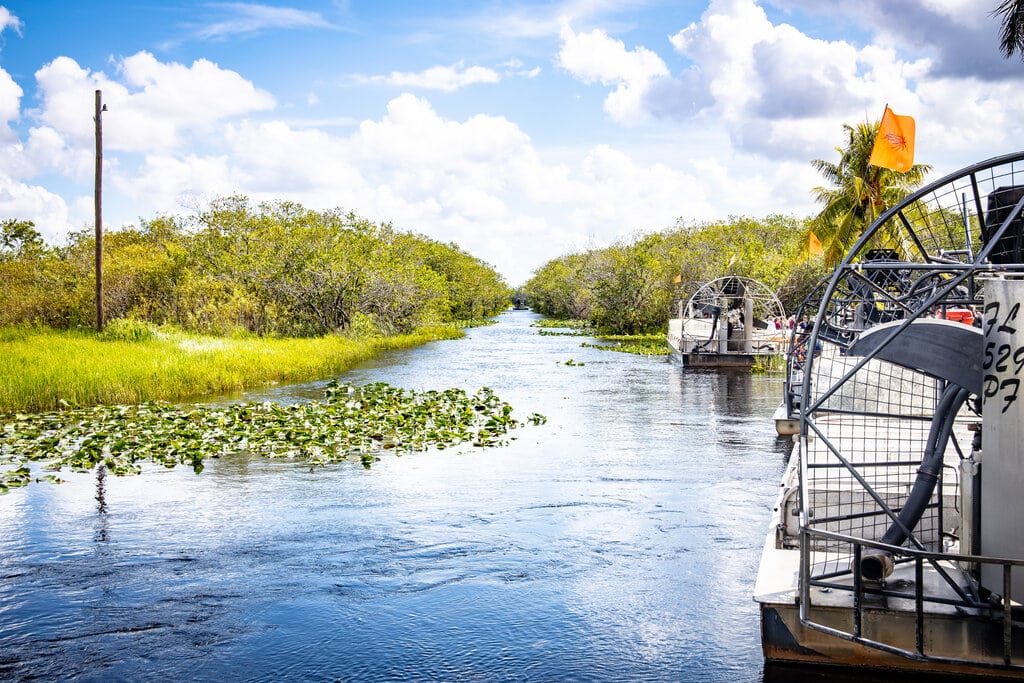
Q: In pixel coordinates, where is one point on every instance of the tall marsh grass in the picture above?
(44, 369)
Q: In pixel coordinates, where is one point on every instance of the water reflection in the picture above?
(619, 541)
(102, 529)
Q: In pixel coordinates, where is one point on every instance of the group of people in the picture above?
(790, 323)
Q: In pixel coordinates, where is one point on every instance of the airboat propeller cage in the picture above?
(898, 537)
(721, 315)
(956, 246)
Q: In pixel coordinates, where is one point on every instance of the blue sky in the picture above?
(519, 130)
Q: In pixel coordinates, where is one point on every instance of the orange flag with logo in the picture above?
(894, 143)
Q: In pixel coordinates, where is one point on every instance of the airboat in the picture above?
(897, 540)
(729, 322)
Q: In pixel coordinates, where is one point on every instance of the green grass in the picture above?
(45, 370)
(566, 323)
(768, 364)
(639, 344)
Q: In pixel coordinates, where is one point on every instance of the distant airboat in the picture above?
(731, 321)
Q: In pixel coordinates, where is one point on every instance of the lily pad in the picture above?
(350, 423)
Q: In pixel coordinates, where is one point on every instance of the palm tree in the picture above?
(858, 193)
(1011, 38)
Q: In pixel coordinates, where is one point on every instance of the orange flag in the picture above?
(814, 247)
(894, 144)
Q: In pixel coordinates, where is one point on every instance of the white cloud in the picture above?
(744, 70)
(515, 67)
(963, 117)
(243, 17)
(966, 12)
(443, 78)
(32, 202)
(154, 105)
(625, 196)
(18, 197)
(959, 36)
(412, 134)
(781, 92)
(161, 181)
(66, 91)
(9, 21)
(47, 151)
(754, 69)
(10, 100)
(594, 57)
(198, 93)
(154, 109)
(722, 44)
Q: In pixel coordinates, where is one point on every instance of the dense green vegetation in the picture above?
(274, 269)
(234, 297)
(628, 288)
(351, 422)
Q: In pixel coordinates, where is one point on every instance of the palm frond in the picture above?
(1011, 36)
(857, 192)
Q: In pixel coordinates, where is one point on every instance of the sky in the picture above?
(519, 130)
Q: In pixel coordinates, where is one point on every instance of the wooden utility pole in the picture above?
(98, 203)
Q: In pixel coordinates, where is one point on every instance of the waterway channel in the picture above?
(617, 542)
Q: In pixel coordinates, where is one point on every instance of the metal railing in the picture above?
(997, 610)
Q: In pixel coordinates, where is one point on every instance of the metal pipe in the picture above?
(878, 564)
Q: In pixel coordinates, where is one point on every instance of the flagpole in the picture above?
(98, 208)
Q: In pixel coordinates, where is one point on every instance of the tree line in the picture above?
(269, 269)
(628, 288)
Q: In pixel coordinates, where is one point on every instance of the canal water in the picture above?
(617, 542)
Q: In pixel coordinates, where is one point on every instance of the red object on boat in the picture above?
(960, 315)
